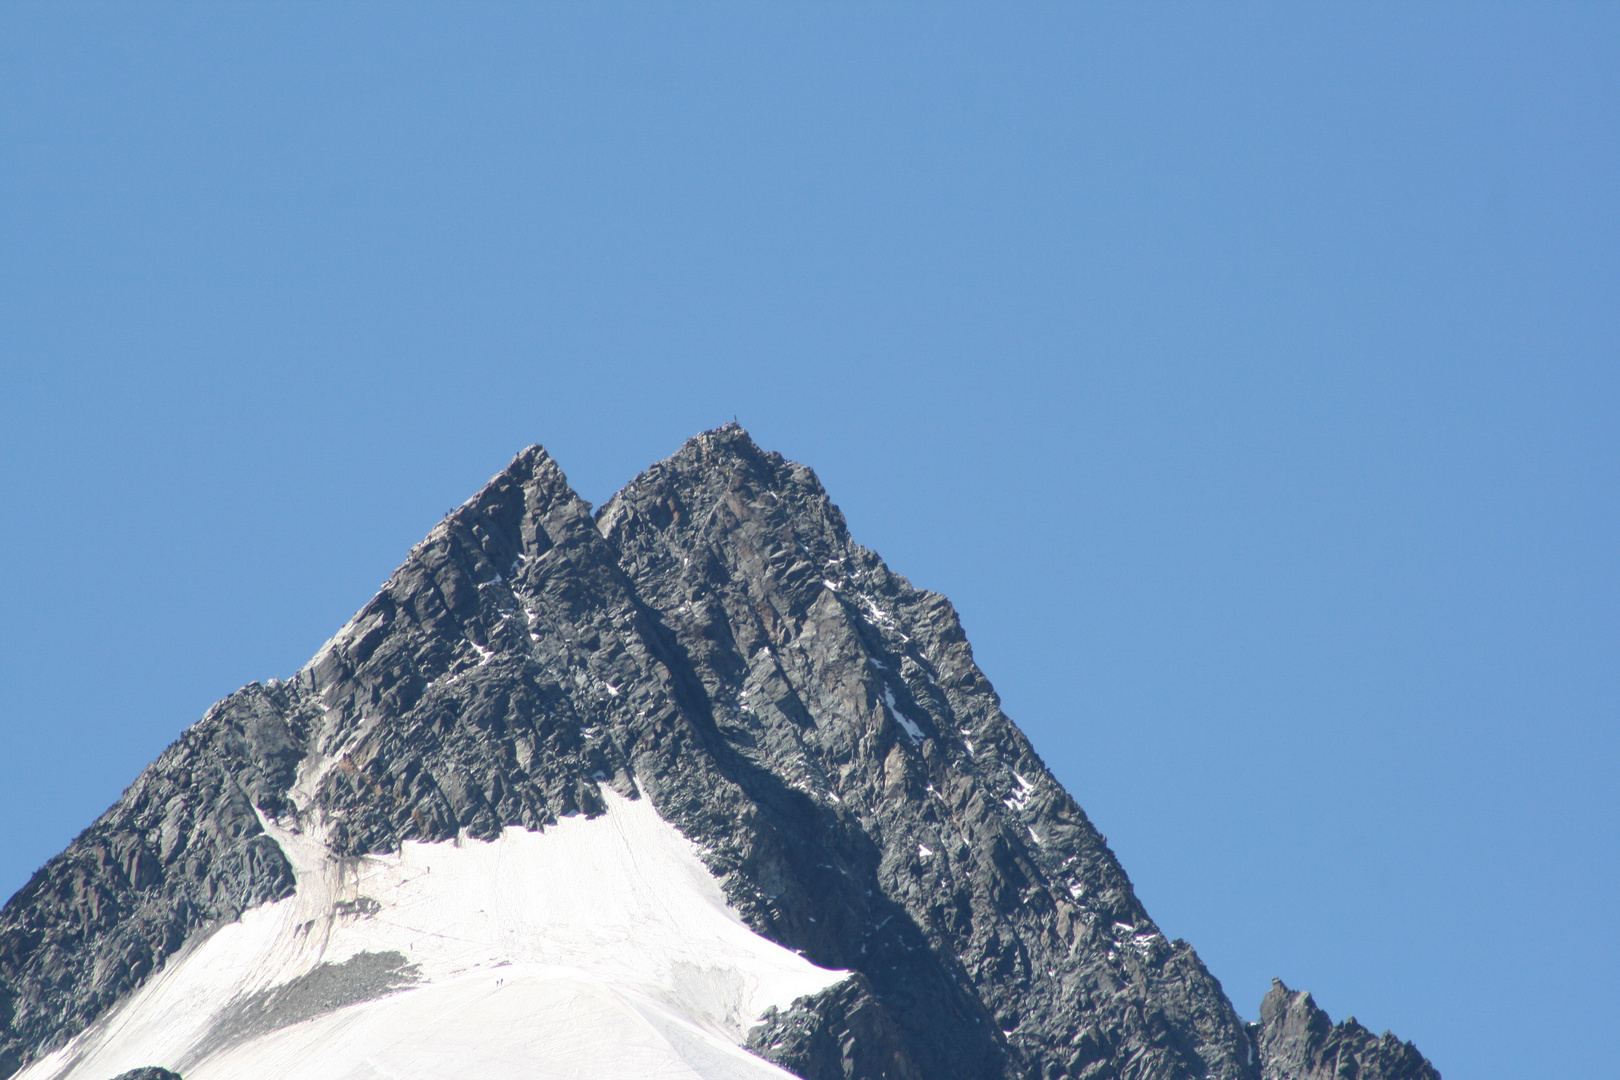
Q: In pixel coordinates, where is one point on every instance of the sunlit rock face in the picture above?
(691, 786)
(1298, 1042)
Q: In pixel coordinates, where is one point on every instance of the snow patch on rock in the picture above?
(602, 947)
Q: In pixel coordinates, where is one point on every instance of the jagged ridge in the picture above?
(1299, 1042)
(714, 638)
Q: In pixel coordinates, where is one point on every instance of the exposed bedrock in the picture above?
(1297, 1041)
(714, 640)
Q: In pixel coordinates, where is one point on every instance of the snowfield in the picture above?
(600, 948)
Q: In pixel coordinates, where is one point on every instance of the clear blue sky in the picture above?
(1247, 375)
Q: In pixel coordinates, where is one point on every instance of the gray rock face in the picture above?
(714, 640)
(149, 1073)
(842, 1031)
(1299, 1042)
(181, 852)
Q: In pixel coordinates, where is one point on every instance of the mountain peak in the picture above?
(709, 677)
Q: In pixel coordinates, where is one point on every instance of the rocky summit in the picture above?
(691, 786)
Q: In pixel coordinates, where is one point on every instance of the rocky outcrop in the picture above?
(181, 852)
(714, 640)
(820, 667)
(843, 1033)
(1297, 1041)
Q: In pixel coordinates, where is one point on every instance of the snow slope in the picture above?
(599, 948)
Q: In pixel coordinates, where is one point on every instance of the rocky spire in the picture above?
(1298, 1042)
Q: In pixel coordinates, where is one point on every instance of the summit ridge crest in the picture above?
(713, 641)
